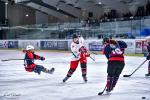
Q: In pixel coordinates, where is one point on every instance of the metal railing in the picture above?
(118, 28)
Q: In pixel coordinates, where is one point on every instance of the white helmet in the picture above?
(30, 47)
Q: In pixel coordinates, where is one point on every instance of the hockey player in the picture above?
(80, 54)
(148, 56)
(114, 51)
(29, 64)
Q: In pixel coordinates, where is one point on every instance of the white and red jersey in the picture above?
(75, 51)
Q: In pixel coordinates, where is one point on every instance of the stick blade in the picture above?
(100, 93)
(4, 60)
(126, 75)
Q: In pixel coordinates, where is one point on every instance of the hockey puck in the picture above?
(143, 97)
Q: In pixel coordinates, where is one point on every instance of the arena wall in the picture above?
(134, 45)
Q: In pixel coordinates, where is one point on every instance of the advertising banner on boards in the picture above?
(12, 44)
(3, 44)
(62, 45)
(95, 46)
(54, 45)
(24, 43)
(48, 45)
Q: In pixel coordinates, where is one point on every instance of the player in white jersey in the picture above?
(79, 54)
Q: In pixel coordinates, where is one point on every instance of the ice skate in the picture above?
(85, 79)
(148, 74)
(51, 71)
(65, 79)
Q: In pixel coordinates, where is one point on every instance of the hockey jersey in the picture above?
(75, 49)
(29, 61)
(113, 53)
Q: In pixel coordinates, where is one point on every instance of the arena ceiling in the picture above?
(81, 8)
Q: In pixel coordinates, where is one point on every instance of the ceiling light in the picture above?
(27, 15)
(99, 3)
(57, 8)
(131, 17)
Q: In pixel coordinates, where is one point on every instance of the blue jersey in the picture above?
(107, 50)
(113, 53)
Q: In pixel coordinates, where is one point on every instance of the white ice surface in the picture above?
(17, 84)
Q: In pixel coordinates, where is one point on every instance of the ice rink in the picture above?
(17, 84)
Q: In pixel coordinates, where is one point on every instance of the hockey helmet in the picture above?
(75, 36)
(30, 47)
(105, 40)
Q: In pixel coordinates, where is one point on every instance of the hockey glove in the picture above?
(87, 55)
(83, 49)
(24, 51)
(42, 58)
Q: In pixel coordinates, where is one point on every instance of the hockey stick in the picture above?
(94, 53)
(74, 55)
(15, 59)
(92, 58)
(100, 93)
(135, 70)
(11, 59)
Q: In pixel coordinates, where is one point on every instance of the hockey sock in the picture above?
(115, 81)
(70, 72)
(109, 84)
(149, 67)
(83, 69)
